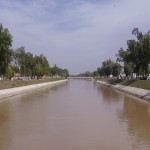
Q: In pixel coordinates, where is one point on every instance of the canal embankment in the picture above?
(138, 92)
(5, 93)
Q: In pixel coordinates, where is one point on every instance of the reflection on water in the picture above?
(77, 115)
(136, 115)
(109, 95)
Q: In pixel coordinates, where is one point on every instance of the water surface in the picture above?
(76, 115)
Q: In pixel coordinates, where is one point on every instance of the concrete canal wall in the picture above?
(24, 89)
(140, 93)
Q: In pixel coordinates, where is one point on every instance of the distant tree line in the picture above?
(85, 74)
(22, 62)
(135, 59)
(108, 68)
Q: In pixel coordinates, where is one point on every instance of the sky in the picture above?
(74, 34)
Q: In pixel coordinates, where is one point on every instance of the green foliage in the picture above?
(55, 70)
(128, 69)
(19, 60)
(86, 74)
(64, 73)
(16, 69)
(38, 70)
(5, 52)
(137, 53)
(24, 62)
(101, 71)
(9, 72)
(43, 63)
(116, 69)
(59, 71)
(109, 68)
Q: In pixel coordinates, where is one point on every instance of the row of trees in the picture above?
(85, 74)
(22, 62)
(136, 57)
(108, 68)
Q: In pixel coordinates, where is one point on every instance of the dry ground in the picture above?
(18, 83)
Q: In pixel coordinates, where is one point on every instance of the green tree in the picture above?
(19, 60)
(42, 61)
(64, 73)
(9, 72)
(116, 69)
(145, 53)
(137, 53)
(108, 68)
(128, 69)
(5, 51)
(122, 56)
(100, 71)
(38, 71)
(55, 70)
(29, 64)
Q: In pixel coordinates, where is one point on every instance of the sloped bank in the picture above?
(140, 93)
(24, 89)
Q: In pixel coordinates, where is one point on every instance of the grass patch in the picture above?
(143, 84)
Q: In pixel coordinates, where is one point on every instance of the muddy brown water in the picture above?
(76, 115)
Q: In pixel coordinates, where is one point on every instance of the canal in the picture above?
(76, 115)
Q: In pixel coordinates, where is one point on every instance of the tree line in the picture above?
(24, 63)
(108, 68)
(135, 58)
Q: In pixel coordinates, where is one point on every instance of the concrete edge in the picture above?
(6, 93)
(137, 92)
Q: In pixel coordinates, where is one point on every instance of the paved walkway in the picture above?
(141, 93)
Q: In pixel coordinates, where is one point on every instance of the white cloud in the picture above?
(74, 34)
